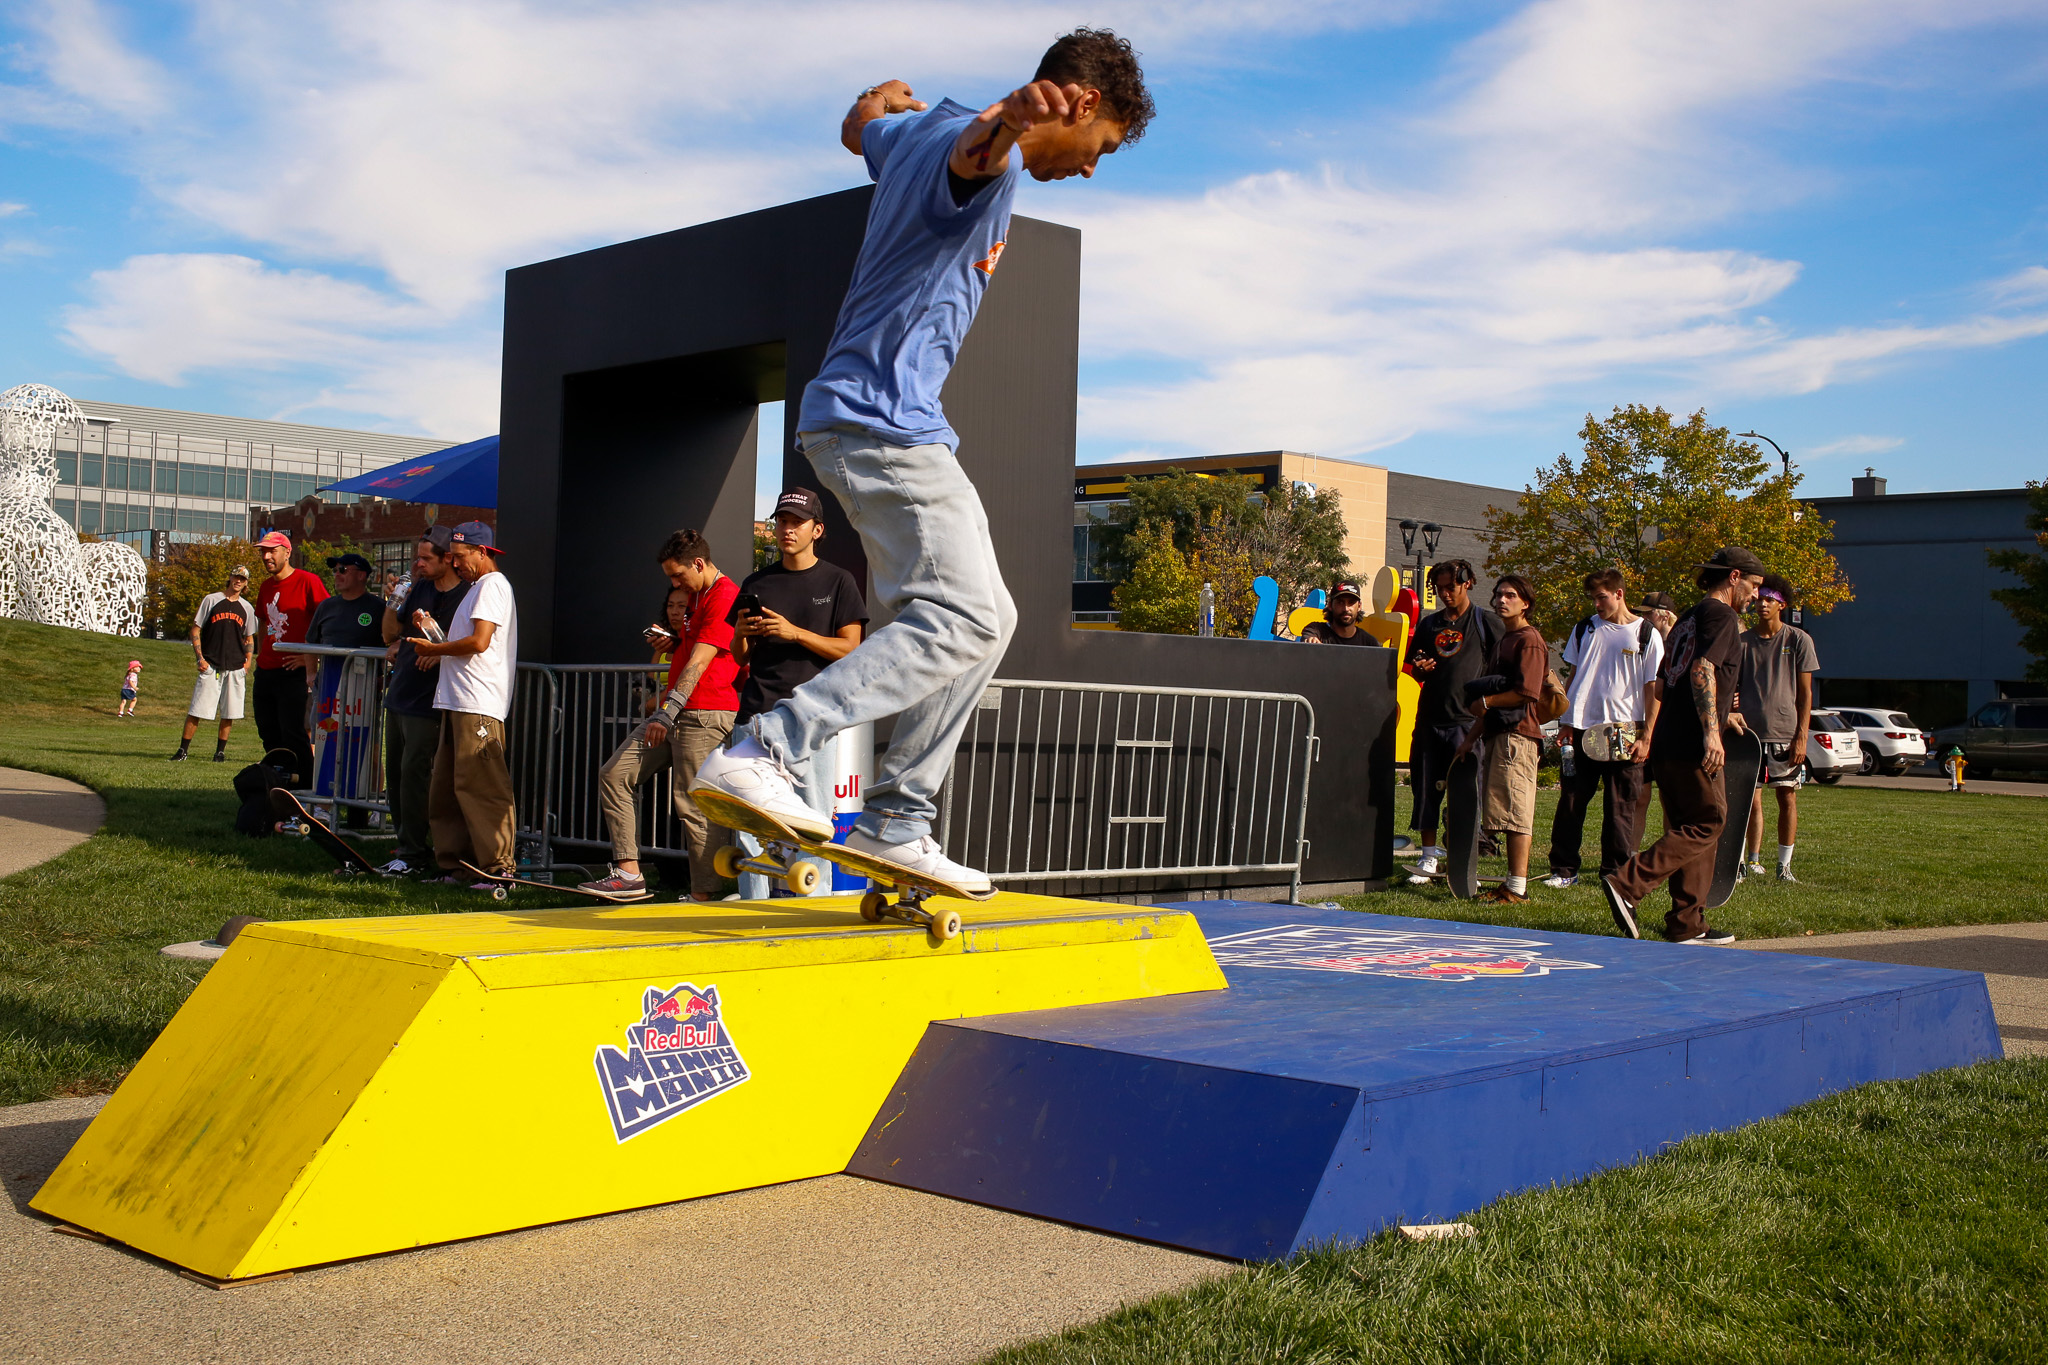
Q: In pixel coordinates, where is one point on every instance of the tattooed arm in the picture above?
(1707, 704)
(678, 697)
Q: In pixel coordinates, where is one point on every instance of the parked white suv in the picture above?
(1890, 741)
(1832, 748)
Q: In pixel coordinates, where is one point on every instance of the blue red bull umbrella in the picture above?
(459, 476)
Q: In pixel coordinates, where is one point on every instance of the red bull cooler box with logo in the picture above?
(1244, 1080)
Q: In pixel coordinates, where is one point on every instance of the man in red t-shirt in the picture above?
(695, 716)
(284, 609)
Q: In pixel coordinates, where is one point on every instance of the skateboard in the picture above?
(1742, 772)
(349, 860)
(1461, 787)
(502, 886)
(784, 846)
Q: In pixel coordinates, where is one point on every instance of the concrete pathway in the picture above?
(829, 1270)
(1919, 780)
(2013, 958)
(42, 816)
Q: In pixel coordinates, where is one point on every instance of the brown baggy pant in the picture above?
(470, 804)
(1696, 810)
(690, 741)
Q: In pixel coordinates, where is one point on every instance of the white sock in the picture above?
(1784, 857)
(748, 747)
(1519, 885)
(1433, 851)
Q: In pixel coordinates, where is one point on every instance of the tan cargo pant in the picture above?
(470, 802)
(692, 738)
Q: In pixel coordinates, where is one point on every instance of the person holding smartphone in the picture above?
(790, 620)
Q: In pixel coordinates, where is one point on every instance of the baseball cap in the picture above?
(1653, 601)
(351, 560)
(803, 502)
(274, 538)
(474, 533)
(440, 537)
(239, 571)
(1737, 558)
(1346, 590)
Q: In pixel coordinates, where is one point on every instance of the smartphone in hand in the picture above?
(747, 604)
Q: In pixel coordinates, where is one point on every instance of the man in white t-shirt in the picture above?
(470, 803)
(1613, 697)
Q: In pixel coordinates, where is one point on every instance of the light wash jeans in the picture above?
(934, 567)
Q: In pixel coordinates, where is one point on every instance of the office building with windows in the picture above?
(135, 470)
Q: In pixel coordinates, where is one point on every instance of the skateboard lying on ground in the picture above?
(784, 846)
(1742, 772)
(349, 860)
(500, 886)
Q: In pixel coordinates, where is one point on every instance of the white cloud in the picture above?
(1854, 445)
(9, 210)
(2023, 287)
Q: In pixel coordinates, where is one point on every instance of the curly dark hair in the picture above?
(1782, 586)
(1096, 59)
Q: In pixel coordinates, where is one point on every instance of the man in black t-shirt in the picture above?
(1339, 625)
(1450, 648)
(412, 732)
(1702, 662)
(811, 610)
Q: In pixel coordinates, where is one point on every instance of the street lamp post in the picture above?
(1431, 534)
(1784, 455)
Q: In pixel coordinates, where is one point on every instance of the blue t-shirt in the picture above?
(920, 276)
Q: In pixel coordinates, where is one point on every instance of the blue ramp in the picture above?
(1369, 1069)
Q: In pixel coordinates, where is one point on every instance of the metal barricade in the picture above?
(345, 717)
(600, 705)
(1087, 781)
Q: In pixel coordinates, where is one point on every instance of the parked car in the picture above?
(1832, 749)
(2010, 734)
(1890, 741)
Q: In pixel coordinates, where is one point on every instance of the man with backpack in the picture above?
(1612, 705)
(1511, 697)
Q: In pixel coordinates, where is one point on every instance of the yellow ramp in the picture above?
(337, 1088)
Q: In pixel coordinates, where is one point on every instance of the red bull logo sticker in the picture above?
(1391, 952)
(678, 1055)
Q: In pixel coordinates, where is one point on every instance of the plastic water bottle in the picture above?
(1206, 625)
(1565, 757)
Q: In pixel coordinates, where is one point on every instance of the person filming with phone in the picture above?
(790, 620)
(693, 718)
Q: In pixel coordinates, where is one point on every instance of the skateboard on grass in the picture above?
(779, 859)
(501, 886)
(1741, 773)
(349, 860)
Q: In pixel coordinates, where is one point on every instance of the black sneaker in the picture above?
(1708, 938)
(1618, 906)
(180, 756)
(220, 755)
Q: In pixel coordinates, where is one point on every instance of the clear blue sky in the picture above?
(1432, 236)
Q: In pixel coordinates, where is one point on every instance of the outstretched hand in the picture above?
(1034, 103)
(896, 98)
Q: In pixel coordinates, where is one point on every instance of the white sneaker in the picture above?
(763, 784)
(1425, 868)
(1558, 881)
(925, 857)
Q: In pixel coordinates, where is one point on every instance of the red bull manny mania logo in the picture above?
(1390, 952)
(677, 1056)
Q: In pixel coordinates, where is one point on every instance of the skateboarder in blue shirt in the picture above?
(872, 427)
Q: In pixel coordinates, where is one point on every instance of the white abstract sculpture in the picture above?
(46, 575)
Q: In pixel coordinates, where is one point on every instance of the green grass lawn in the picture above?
(1903, 1221)
(1894, 1221)
(1868, 858)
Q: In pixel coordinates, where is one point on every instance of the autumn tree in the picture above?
(194, 568)
(2028, 602)
(1160, 592)
(1226, 532)
(1655, 497)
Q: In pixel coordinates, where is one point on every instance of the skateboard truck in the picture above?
(909, 908)
(780, 861)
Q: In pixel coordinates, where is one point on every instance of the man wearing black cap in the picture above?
(351, 619)
(1661, 611)
(1703, 662)
(1339, 625)
(354, 617)
(411, 731)
(470, 804)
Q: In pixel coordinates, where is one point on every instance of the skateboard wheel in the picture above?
(872, 905)
(497, 893)
(945, 924)
(726, 861)
(802, 879)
